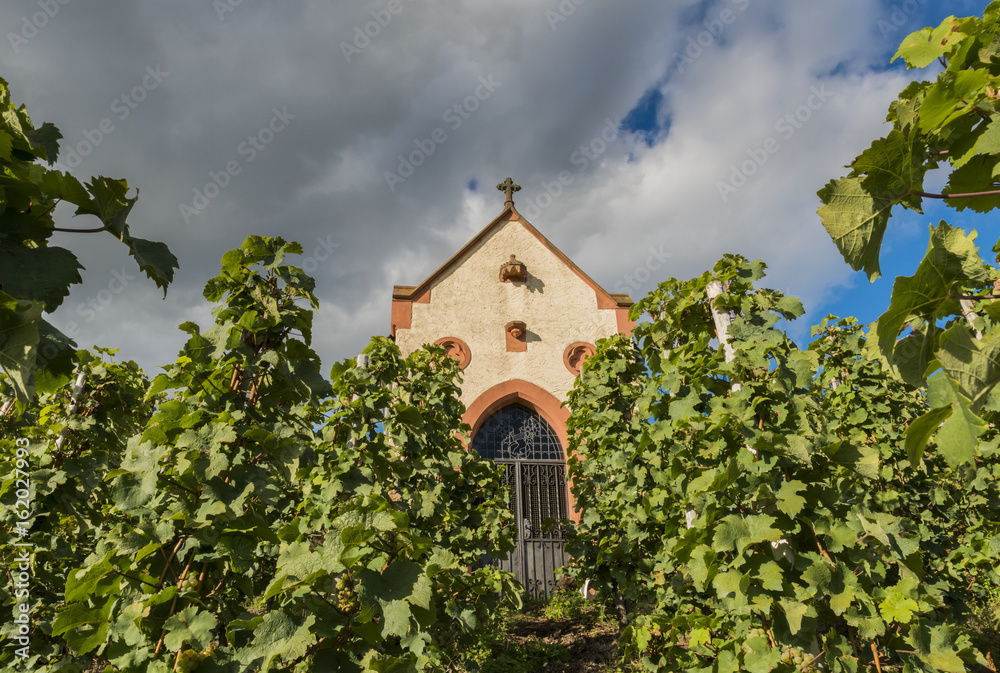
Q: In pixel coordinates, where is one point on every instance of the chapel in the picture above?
(521, 318)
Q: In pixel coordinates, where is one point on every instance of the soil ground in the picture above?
(564, 634)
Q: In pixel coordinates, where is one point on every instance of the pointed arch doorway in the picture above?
(518, 438)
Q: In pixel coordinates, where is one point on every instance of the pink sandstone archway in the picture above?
(535, 398)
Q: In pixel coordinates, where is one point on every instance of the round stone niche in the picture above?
(575, 354)
(457, 349)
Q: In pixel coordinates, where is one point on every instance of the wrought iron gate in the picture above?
(535, 475)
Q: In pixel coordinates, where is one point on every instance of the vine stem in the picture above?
(174, 483)
(806, 665)
(51, 208)
(79, 231)
(173, 606)
(136, 579)
(854, 644)
(878, 662)
(216, 588)
(823, 551)
(166, 566)
(966, 195)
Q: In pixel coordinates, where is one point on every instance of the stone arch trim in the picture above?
(544, 403)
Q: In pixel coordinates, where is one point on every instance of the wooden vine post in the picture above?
(81, 381)
(780, 549)
(722, 322)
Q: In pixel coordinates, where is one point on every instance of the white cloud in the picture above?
(324, 175)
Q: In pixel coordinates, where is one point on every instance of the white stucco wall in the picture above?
(471, 303)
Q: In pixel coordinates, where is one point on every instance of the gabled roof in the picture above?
(421, 293)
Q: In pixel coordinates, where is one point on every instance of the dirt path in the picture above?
(564, 634)
(585, 645)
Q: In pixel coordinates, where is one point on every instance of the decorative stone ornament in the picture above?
(575, 354)
(513, 271)
(457, 349)
(517, 337)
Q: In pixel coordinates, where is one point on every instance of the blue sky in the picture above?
(648, 138)
(906, 238)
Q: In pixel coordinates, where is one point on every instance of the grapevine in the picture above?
(788, 500)
(243, 461)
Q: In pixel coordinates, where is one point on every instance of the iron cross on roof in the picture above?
(508, 187)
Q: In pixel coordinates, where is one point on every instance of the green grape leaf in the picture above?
(971, 186)
(987, 142)
(841, 601)
(957, 438)
(919, 432)
(856, 219)
(897, 608)
(789, 500)
(921, 48)
(19, 322)
(949, 97)
(396, 619)
(46, 138)
(974, 365)
(863, 460)
(5, 145)
(951, 261)
(154, 259)
(39, 274)
(794, 612)
(856, 209)
(913, 355)
(76, 615)
(86, 639)
(277, 636)
(819, 576)
(700, 637)
(945, 661)
(54, 363)
(191, 626)
(771, 576)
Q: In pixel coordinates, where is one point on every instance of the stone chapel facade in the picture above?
(520, 317)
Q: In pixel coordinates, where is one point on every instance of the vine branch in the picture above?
(965, 195)
(79, 231)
